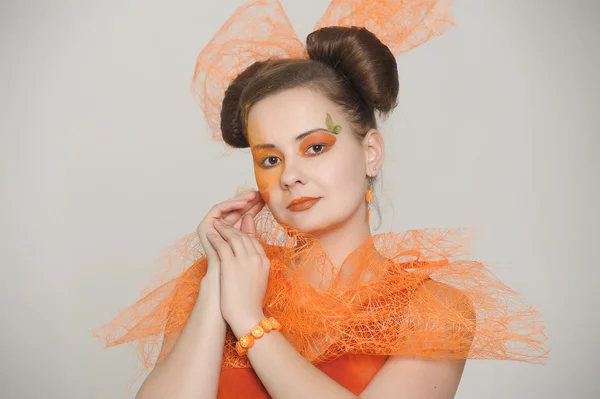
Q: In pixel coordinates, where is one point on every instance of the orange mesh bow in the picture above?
(260, 30)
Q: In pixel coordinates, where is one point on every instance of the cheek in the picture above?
(344, 176)
(266, 182)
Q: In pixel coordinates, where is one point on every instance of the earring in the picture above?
(369, 198)
(369, 194)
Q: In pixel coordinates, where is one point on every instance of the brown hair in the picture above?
(350, 66)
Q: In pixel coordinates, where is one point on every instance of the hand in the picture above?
(231, 212)
(244, 274)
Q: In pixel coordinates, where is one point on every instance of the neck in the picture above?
(339, 241)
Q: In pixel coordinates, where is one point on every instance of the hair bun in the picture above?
(367, 63)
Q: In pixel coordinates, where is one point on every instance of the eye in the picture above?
(316, 149)
(269, 162)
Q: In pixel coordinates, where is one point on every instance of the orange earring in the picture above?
(369, 195)
(369, 198)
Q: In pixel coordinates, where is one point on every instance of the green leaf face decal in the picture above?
(336, 129)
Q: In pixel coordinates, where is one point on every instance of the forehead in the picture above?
(285, 115)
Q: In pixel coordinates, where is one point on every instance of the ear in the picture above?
(374, 152)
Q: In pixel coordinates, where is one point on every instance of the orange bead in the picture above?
(246, 341)
(257, 332)
(238, 348)
(275, 324)
(266, 325)
(369, 196)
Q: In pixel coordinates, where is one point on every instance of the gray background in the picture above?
(105, 160)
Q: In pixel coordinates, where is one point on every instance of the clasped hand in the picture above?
(228, 235)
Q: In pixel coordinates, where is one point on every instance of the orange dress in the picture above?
(353, 372)
(397, 294)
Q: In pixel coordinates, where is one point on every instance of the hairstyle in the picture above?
(348, 65)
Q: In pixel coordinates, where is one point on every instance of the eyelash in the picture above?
(323, 147)
(262, 164)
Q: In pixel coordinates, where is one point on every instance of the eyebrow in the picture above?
(298, 138)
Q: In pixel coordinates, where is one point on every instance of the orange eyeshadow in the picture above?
(320, 138)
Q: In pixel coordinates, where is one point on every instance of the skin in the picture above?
(329, 163)
(337, 170)
(303, 146)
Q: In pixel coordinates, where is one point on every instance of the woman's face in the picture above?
(304, 150)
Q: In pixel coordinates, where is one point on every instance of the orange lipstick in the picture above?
(302, 204)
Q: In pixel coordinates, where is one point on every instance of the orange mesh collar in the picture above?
(404, 293)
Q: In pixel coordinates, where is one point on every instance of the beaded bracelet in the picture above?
(247, 341)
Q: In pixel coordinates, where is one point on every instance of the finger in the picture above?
(247, 225)
(235, 238)
(220, 211)
(228, 212)
(235, 216)
(221, 246)
(253, 211)
(236, 204)
(216, 212)
(211, 253)
(255, 205)
(249, 228)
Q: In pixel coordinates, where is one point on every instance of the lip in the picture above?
(302, 204)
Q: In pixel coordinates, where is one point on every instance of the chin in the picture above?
(310, 222)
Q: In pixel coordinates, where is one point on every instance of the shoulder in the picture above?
(443, 306)
(438, 321)
(442, 294)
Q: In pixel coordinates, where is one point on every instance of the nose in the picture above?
(291, 176)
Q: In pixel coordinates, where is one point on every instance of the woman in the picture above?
(298, 299)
